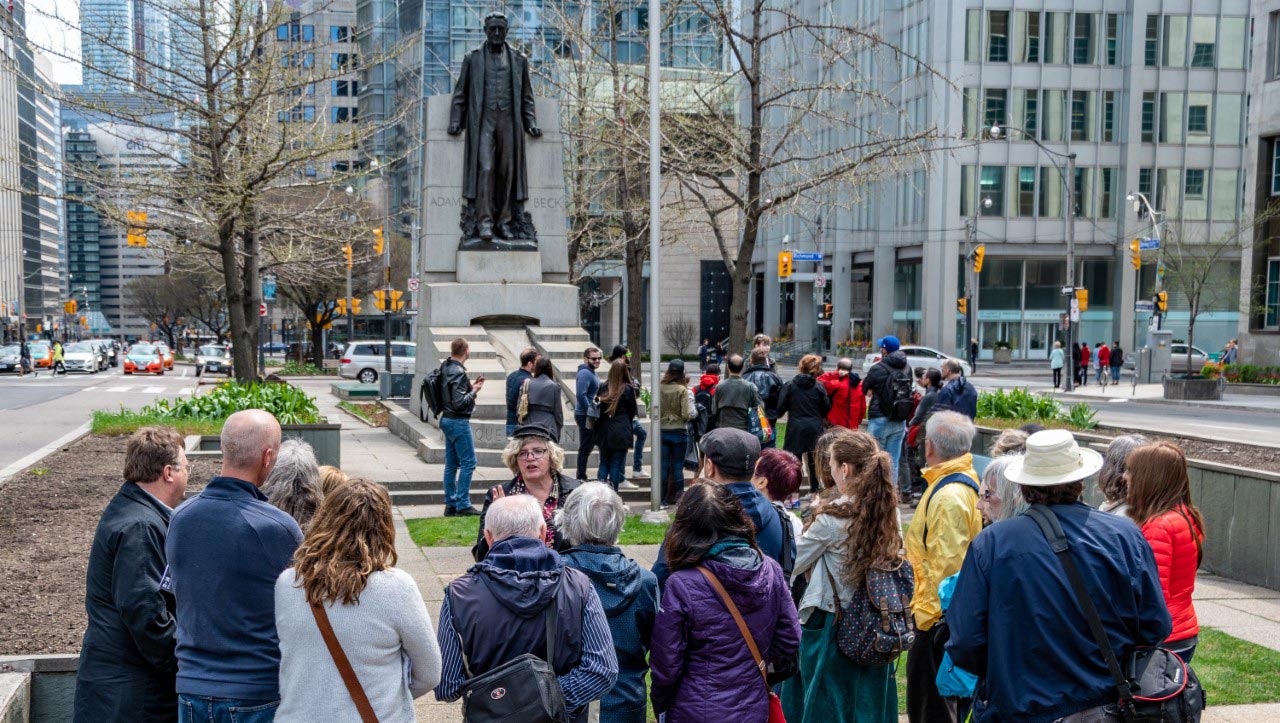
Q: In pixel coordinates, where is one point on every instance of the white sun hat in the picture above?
(1053, 458)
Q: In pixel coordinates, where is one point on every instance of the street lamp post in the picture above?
(1140, 201)
(1068, 182)
(971, 282)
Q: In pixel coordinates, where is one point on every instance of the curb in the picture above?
(30, 460)
(1168, 402)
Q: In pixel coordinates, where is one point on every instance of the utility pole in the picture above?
(655, 254)
(1070, 182)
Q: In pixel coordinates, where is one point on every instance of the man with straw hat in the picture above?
(1015, 620)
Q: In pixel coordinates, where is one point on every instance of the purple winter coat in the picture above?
(701, 669)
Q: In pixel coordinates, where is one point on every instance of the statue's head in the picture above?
(495, 28)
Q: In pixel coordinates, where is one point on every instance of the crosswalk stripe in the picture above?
(153, 390)
(185, 390)
(118, 389)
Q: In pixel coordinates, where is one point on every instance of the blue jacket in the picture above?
(629, 595)
(226, 547)
(958, 395)
(514, 381)
(587, 387)
(1015, 621)
(764, 515)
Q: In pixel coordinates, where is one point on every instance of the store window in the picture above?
(1272, 316)
(1045, 278)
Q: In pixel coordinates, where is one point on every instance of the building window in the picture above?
(972, 36)
(343, 114)
(1275, 166)
(1109, 116)
(1174, 46)
(1113, 38)
(991, 186)
(1029, 34)
(1193, 183)
(340, 33)
(994, 107)
(1198, 119)
(998, 36)
(346, 88)
(1151, 48)
(1144, 185)
(1026, 197)
(1204, 31)
(1082, 41)
(343, 61)
(1273, 47)
(1106, 205)
(1081, 115)
(1202, 55)
(1272, 319)
(294, 33)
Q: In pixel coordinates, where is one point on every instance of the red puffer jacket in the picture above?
(848, 405)
(1177, 559)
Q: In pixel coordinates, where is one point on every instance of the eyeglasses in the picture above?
(988, 494)
(538, 453)
(594, 358)
(178, 467)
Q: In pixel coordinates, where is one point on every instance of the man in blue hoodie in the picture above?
(729, 458)
(587, 386)
(496, 612)
(225, 548)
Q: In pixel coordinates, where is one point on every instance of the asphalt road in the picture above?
(37, 411)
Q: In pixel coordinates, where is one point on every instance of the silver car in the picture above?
(364, 360)
(213, 359)
(82, 356)
(917, 356)
(10, 357)
(1178, 359)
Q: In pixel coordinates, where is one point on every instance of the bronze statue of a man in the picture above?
(493, 101)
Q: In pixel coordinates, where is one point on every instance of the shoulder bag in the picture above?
(1154, 684)
(524, 689)
(348, 673)
(775, 704)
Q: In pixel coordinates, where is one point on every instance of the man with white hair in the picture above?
(225, 548)
(946, 521)
(498, 611)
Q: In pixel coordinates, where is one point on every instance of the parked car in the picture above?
(274, 347)
(1178, 359)
(166, 353)
(144, 359)
(213, 359)
(82, 356)
(364, 360)
(918, 356)
(10, 357)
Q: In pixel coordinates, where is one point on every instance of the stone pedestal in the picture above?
(515, 267)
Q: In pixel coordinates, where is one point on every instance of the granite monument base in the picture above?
(470, 304)
(510, 267)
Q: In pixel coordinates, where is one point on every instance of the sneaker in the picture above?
(628, 485)
(450, 512)
(469, 511)
(639, 474)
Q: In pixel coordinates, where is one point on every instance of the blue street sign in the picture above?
(806, 256)
(269, 288)
(1149, 244)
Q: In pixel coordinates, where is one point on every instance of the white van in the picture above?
(364, 360)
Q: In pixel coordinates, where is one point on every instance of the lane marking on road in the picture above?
(41, 453)
(153, 390)
(184, 371)
(118, 389)
(186, 391)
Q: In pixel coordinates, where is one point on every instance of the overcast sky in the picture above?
(54, 37)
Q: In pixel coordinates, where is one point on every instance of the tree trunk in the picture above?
(636, 305)
(317, 342)
(244, 355)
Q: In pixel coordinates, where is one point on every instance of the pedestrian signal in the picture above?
(1135, 251)
(1082, 297)
(784, 264)
(1162, 301)
(962, 305)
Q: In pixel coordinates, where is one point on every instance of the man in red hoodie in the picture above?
(703, 399)
(1104, 362)
(1084, 362)
(848, 405)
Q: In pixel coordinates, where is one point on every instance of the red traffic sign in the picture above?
(262, 309)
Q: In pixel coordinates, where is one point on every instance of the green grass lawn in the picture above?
(461, 531)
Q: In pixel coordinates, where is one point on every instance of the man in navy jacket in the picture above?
(957, 394)
(226, 547)
(586, 387)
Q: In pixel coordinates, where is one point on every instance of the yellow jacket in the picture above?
(953, 521)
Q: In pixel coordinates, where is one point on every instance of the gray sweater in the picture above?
(387, 636)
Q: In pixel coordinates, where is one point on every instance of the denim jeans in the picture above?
(888, 435)
(1102, 375)
(641, 436)
(613, 464)
(586, 442)
(511, 429)
(459, 461)
(1115, 375)
(199, 709)
(674, 446)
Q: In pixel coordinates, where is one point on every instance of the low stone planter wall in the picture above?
(1254, 390)
(1193, 389)
(325, 439)
(50, 687)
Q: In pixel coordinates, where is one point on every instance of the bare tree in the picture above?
(161, 301)
(790, 128)
(222, 101)
(680, 333)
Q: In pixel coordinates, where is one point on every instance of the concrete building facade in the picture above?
(1259, 329)
(1150, 97)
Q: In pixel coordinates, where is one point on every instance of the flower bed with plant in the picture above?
(1243, 373)
(1019, 405)
(204, 414)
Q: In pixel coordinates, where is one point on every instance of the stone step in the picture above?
(480, 349)
(573, 334)
(493, 432)
(449, 333)
(429, 496)
(433, 452)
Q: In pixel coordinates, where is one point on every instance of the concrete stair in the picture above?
(425, 493)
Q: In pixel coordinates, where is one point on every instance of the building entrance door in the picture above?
(1040, 337)
(992, 332)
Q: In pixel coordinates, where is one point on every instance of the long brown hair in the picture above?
(707, 513)
(872, 536)
(351, 537)
(1158, 483)
(619, 381)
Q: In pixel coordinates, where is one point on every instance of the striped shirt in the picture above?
(590, 680)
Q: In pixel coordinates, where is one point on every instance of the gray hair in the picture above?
(1010, 441)
(1012, 502)
(294, 483)
(592, 515)
(1111, 477)
(951, 434)
(513, 516)
(951, 366)
(511, 458)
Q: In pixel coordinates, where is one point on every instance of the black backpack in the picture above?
(704, 403)
(896, 402)
(431, 393)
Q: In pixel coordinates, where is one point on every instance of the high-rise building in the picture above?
(13, 262)
(129, 43)
(1147, 100)
(1260, 268)
(84, 225)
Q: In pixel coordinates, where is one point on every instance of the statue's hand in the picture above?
(535, 131)
(453, 130)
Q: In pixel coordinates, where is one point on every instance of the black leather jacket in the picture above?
(459, 399)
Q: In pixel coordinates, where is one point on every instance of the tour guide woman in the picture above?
(536, 462)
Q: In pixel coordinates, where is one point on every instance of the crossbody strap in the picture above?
(737, 618)
(957, 477)
(1052, 529)
(348, 673)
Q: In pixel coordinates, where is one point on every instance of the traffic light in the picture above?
(355, 306)
(377, 240)
(1135, 248)
(826, 311)
(396, 304)
(70, 306)
(137, 233)
(346, 251)
(962, 305)
(1082, 296)
(979, 253)
(1162, 301)
(784, 264)
(340, 307)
